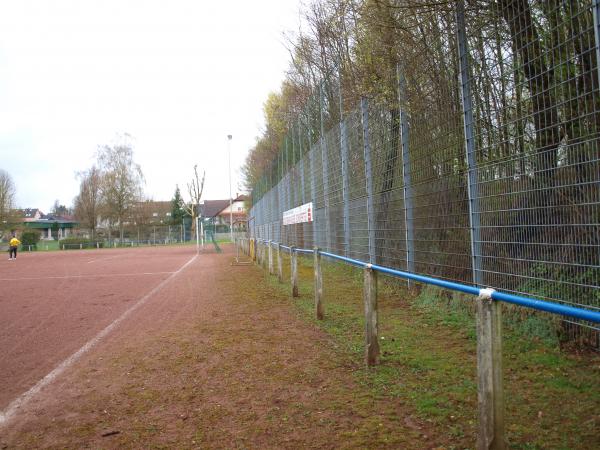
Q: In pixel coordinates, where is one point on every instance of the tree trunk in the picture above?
(517, 14)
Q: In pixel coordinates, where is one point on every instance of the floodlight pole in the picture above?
(229, 136)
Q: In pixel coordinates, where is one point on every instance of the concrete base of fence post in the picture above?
(294, 271)
(279, 264)
(371, 328)
(318, 284)
(490, 397)
(271, 270)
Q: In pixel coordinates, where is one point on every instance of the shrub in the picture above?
(30, 237)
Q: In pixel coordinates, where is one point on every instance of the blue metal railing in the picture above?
(532, 303)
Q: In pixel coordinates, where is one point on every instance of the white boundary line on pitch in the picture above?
(105, 259)
(20, 401)
(87, 276)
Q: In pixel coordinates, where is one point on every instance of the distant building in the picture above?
(49, 225)
(217, 213)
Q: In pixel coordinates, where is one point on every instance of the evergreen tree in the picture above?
(177, 212)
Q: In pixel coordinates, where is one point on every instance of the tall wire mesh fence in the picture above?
(485, 169)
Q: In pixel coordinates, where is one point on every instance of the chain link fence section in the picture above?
(484, 170)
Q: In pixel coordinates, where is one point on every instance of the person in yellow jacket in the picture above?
(12, 247)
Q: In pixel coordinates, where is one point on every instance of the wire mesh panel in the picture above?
(437, 156)
(357, 196)
(335, 195)
(388, 192)
(537, 127)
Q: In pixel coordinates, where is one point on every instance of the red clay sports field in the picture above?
(56, 306)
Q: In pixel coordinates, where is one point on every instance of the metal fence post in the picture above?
(596, 14)
(292, 172)
(318, 284)
(291, 228)
(345, 185)
(371, 334)
(325, 166)
(364, 109)
(313, 199)
(465, 86)
(303, 185)
(490, 397)
(294, 271)
(279, 263)
(406, 175)
(270, 244)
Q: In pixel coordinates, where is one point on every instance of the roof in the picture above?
(45, 224)
(159, 205)
(212, 208)
(56, 218)
(29, 213)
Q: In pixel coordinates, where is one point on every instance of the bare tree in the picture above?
(88, 201)
(195, 189)
(60, 210)
(7, 198)
(122, 180)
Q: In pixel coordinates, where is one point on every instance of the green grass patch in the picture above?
(428, 348)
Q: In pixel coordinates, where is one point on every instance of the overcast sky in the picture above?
(178, 75)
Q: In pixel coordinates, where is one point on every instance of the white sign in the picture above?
(300, 214)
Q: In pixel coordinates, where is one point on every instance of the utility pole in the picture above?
(229, 136)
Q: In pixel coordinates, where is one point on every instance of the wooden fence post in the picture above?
(490, 398)
(294, 271)
(270, 244)
(279, 263)
(371, 334)
(318, 284)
